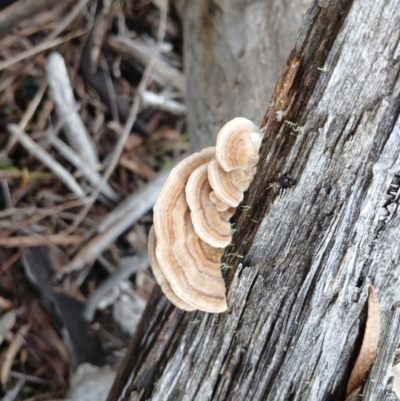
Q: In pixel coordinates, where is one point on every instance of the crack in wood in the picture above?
(327, 218)
(388, 209)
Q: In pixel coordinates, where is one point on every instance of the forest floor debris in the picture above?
(85, 148)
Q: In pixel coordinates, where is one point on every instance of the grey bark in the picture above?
(322, 226)
(234, 52)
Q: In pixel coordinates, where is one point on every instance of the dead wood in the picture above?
(320, 225)
(234, 52)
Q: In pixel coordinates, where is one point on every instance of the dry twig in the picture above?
(137, 263)
(92, 176)
(117, 222)
(30, 111)
(68, 19)
(21, 10)
(124, 135)
(165, 74)
(28, 241)
(38, 214)
(66, 108)
(158, 101)
(37, 49)
(12, 352)
(13, 393)
(46, 159)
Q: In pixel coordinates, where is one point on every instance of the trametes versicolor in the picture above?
(191, 217)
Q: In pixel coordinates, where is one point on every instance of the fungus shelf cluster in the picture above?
(191, 217)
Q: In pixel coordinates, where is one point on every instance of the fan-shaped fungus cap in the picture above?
(238, 143)
(210, 225)
(221, 206)
(200, 283)
(191, 267)
(191, 217)
(158, 274)
(228, 186)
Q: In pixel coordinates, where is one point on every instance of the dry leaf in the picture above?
(138, 166)
(133, 142)
(369, 344)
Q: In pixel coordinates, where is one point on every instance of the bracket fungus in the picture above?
(228, 187)
(191, 217)
(211, 225)
(237, 145)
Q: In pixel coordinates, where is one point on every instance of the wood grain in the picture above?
(313, 240)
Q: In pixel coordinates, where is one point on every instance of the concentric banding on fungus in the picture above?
(229, 187)
(210, 225)
(159, 276)
(237, 146)
(191, 268)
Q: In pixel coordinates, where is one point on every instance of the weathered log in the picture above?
(319, 226)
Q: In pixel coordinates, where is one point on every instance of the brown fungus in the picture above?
(190, 266)
(211, 226)
(237, 146)
(229, 187)
(161, 280)
(191, 217)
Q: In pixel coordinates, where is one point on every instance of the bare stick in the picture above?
(114, 225)
(46, 159)
(68, 19)
(110, 89)
(30, 111)
(21, 10)
(134, 202)
(33, 105)
(92, 176)
(137, 263)
(37, 49)
(66, 107)
(165, 74)
(56, 239)
(158, 101)
(33, 215)
(130, 121)
(12, 394)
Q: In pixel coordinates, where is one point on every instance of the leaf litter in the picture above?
(45, 185)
